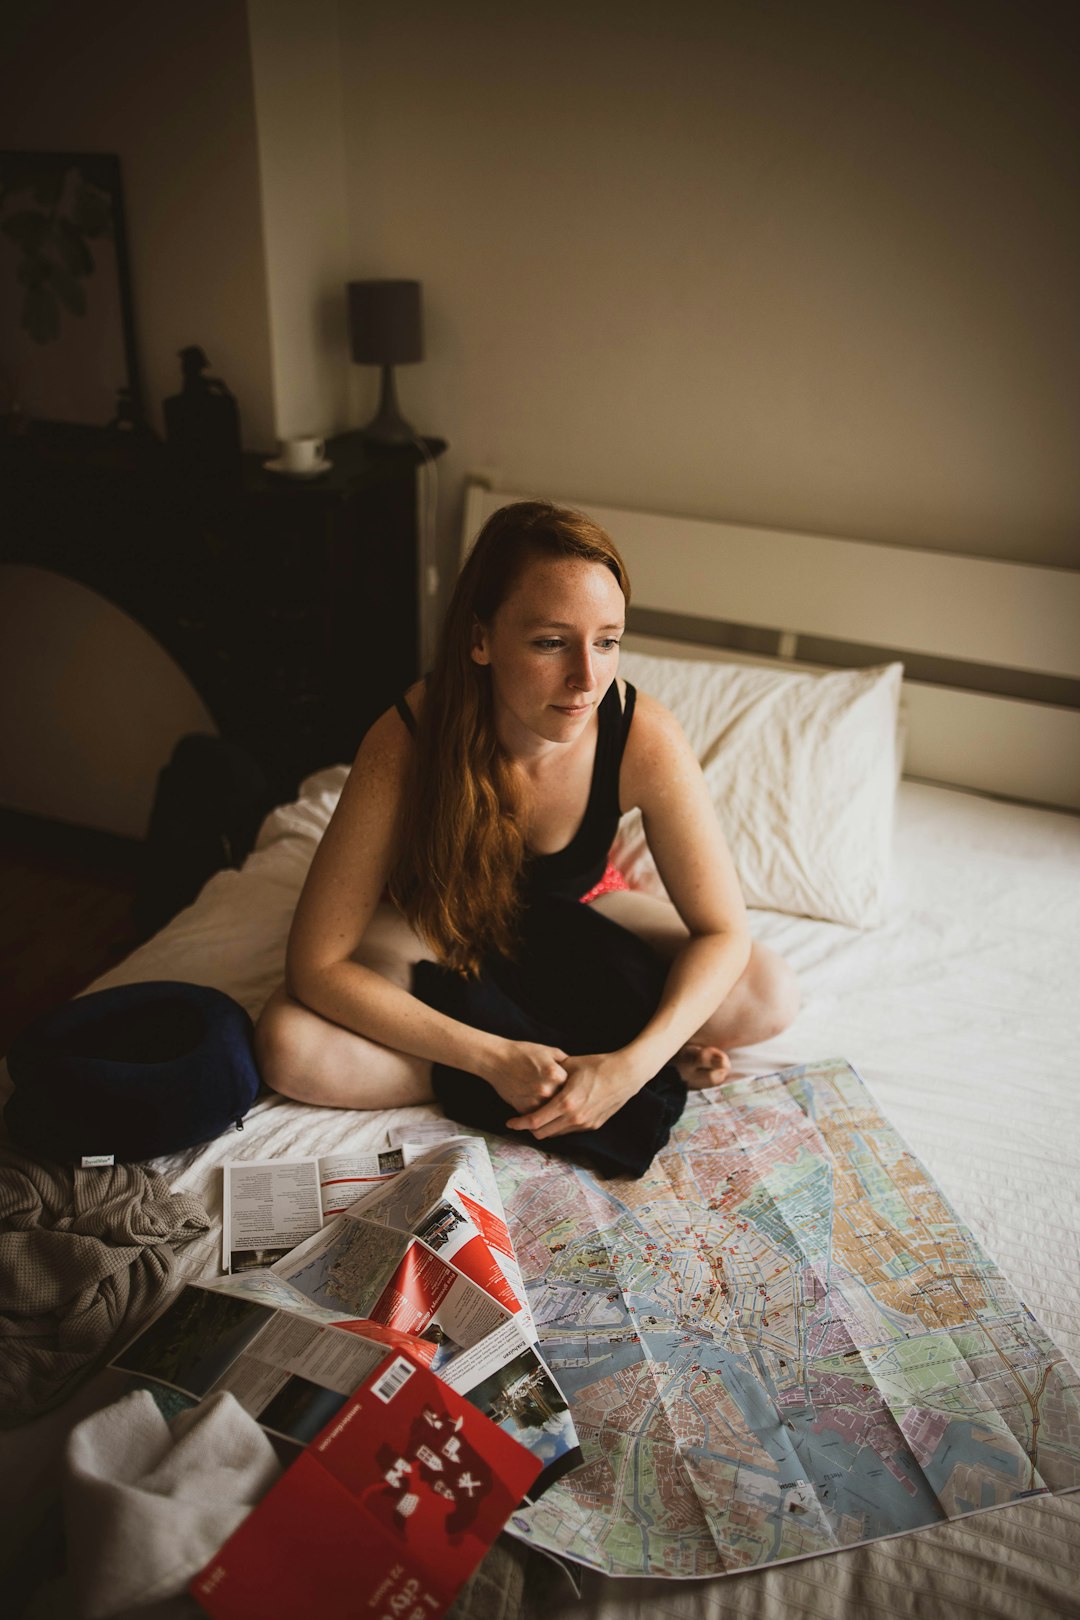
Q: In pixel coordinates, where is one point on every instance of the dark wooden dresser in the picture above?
(291, 605)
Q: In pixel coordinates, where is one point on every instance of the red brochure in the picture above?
(415, 1291)
(492, 1227)
(377, 1333)
(475, 1260)
(386, 1513)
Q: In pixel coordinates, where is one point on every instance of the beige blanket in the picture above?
(85, 1255)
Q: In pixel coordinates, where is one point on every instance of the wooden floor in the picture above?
(66, 913)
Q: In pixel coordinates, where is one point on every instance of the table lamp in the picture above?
(384, 326)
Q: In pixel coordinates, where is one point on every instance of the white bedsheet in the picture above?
(961, 1013)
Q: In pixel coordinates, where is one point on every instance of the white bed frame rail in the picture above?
(991, 649)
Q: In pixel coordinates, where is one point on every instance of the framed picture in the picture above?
(67, 336)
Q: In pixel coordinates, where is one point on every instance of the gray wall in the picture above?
(811, 266)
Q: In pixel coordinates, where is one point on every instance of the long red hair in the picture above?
(462, 846)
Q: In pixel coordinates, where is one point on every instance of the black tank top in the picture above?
(572, 871)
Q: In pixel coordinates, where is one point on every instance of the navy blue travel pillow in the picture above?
(580, 982)
(131, 1073)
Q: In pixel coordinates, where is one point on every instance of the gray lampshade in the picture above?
(384, 322)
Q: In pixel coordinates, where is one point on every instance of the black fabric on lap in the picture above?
(582, 983)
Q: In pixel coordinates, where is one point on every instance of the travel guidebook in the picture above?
(387, 1513)
(394, 1354)
(294, 1341)
(456, 1285)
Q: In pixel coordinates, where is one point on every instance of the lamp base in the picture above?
(388, 426)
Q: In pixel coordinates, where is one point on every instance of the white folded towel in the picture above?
(147, 1503)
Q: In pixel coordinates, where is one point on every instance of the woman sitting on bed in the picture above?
(491, 794)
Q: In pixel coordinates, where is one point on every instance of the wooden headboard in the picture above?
(991, 650)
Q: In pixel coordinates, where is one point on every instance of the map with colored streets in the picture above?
(781, 1341)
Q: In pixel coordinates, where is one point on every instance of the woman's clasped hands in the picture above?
(526, 1073)
(594, 1088)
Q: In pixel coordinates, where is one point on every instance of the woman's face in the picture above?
(553, 649)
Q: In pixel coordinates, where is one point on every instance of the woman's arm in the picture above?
(661, 775)
(344, 886)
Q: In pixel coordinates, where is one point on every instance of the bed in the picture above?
(945, 969)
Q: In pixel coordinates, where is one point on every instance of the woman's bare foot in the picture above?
(703, 1066)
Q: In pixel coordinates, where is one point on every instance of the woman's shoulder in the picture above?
(655, 743)
(652, 720)
(388, 742)
(395, 728)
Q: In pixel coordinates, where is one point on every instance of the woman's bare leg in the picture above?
(305, 1056)
(760, 1004)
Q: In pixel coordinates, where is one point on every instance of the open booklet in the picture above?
(271, 1205)
(293, 1375)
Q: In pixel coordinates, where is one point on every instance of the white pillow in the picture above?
(802, 769)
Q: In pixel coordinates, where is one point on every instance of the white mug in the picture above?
(303, 454)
